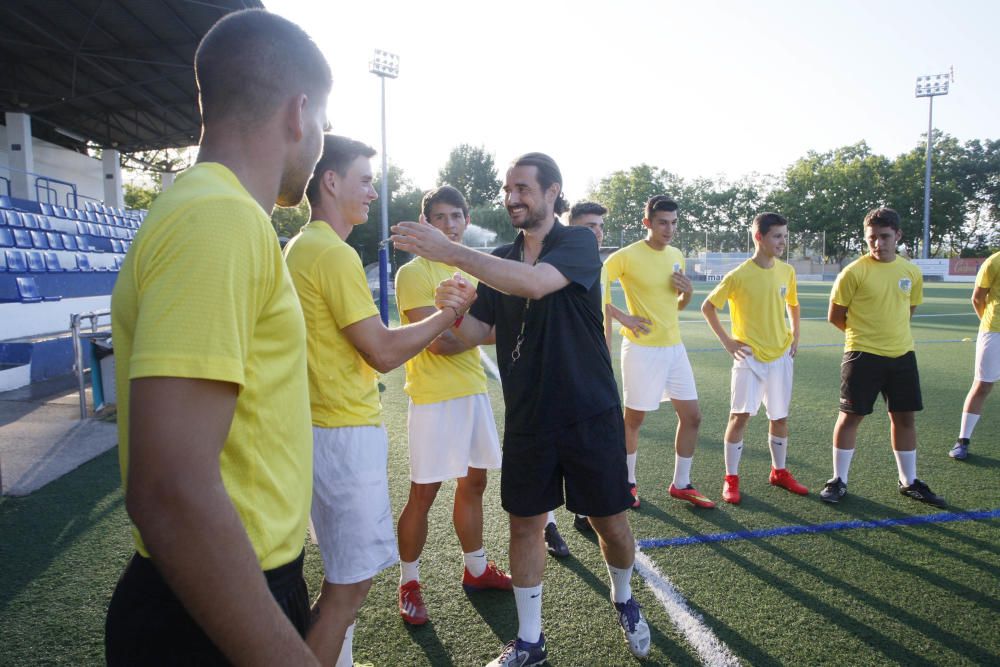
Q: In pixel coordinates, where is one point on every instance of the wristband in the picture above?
(458, 321)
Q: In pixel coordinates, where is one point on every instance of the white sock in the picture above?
(409, 571)
(842, 463)
(529, 613)
(630, 461)
(969, 421)
(475, 562)
(682, 471)
(733, 453)
(779, 448)
(346, 657)
(621, 583)
(550, 518)
(906, 462)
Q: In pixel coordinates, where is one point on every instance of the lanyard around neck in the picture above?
(516, 353)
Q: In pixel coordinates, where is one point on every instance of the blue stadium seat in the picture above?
(44, 222)
(27, 289)
(16, 262)
(47, 209)
(3, 262)
(6, 238)
(55, 240)
(22, 237)
(38, 239)
(82, 261)
(13, 218)
(116, 246)
(60, 211)
(69, 242)
(81, 227)
(5, 201)
(52, 263)
(30, 221)
(36, 263)
(89, 215)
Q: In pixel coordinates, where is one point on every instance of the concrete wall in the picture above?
(57, 162)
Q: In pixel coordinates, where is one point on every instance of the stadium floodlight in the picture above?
(930, 86)
(384, 65)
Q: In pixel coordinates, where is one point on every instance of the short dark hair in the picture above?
(586, 208)
(882, 217)
(764, 221)
(659, 203)
(548, 173)
(338, 154)
(443, 194)
(251, 61)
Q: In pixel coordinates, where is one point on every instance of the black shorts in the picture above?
(148, 625)
(863, 376)
(587, 457)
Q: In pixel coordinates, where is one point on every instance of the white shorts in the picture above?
(651, 375)
(449, 437)
(350, 506)
(756, 381)
(988, 356)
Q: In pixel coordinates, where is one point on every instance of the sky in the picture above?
(715, 88)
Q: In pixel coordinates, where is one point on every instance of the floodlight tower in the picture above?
(930, 86)
(384, 65)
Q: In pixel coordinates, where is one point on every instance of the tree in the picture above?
(472, 171)
(138, 197)
(624, 194)
(287, 221)
(832, 192)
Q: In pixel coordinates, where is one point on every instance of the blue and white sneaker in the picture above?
(520, 653)
(634, 626)
(960, 451)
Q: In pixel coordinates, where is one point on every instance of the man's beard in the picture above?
(532, 218)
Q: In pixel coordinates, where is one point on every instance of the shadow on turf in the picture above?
(37, 528)
(888, 646)
(425, 636)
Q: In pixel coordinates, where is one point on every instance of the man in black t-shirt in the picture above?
(564, 439)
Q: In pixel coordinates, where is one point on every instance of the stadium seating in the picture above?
(16, 262)
(6, 238)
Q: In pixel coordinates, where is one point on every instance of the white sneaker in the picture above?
(634, 626)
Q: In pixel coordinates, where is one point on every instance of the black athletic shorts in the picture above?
(587, 458)
(863, 376)
(148, 625)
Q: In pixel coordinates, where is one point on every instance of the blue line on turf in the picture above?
(819, 528)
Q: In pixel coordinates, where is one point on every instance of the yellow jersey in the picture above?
(989, 277)
(203, 293)
(430, 377)
(331, 284)
(757, 302)
(878, 297)
(646, 277)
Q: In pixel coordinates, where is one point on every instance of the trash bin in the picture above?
(102, 372)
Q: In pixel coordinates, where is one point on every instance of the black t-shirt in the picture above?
(563, 374)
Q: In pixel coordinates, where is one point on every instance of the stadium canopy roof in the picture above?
(118, 73)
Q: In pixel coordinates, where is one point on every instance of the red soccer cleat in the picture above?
(784, 479)
(492, 579)
(690, 494)
(731, 489)
(411, 603)
(635, 497)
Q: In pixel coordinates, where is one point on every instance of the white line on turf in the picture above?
(710, 648)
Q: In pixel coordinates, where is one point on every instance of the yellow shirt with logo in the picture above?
(878, 297)
(646, 277)
(430, 377)
(331, 284)
(757, 302)
(989, 278)
(204, 294)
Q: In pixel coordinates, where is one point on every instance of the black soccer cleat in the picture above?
(920, 491)
(833, 491)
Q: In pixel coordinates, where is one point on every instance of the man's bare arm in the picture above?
(504, 275)
(638, 325)
(176, 498)
(385, 349)
(736, 348)
(837, 316)
(448, 342)
(794, 313)
(979, 297)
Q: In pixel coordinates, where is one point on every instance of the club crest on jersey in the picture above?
(905, 284)
(783, 290)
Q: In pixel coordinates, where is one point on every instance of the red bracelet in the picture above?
(458, 321)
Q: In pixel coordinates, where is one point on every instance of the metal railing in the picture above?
(44, 184)
(98, 329)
